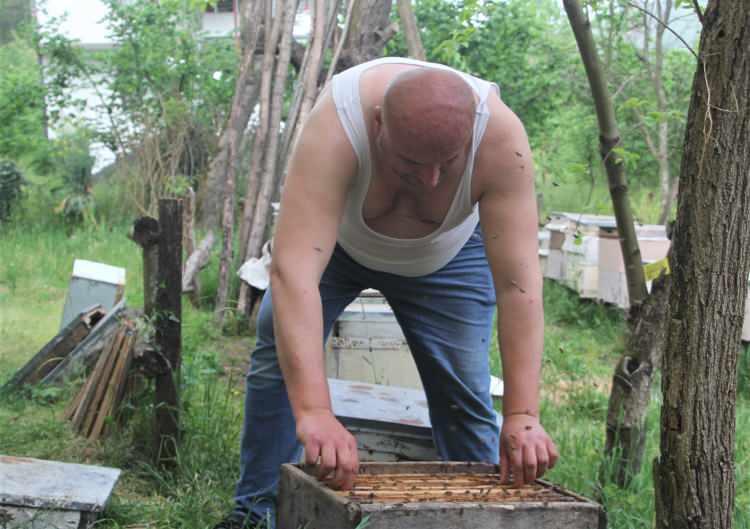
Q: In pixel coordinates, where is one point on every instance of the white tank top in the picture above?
(405, 257)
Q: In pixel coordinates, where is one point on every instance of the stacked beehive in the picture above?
(573, 253)
(427, 495)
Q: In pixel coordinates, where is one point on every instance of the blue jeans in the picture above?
(447, 319)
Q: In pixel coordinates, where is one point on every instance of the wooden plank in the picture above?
(304, 503)
(378, 444)
(114, 385)
(72, 407)
(429, 467)
(102, 382)
(55, 350)
(484, 516)
(86, 352)
(44, 484)
(94, 387)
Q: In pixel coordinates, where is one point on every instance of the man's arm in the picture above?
(508, 212)
(322, 165)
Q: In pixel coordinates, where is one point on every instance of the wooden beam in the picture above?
(168, 319)
(146, 235)
(54, 351)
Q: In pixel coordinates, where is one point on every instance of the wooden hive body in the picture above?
(430, 495)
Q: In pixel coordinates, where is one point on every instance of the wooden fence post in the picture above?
(168, 320)
(146, 235)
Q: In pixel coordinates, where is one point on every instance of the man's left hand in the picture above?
(526, 450)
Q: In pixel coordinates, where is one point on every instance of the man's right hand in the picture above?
(330, 447)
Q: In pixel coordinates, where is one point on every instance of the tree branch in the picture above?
(673, 32)
(646, 134)
(698, 11)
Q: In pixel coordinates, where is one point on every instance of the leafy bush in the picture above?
(11, 183)
(21, 102)
(73, 165)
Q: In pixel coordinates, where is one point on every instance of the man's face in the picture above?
(417, 167)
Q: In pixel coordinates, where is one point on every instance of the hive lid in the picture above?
(27, 482)
(379, 404)
(101, 272)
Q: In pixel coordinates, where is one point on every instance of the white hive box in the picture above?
(746, 322)
(92, 283)
(581, 252)
(543, 241)
(37, 494)
(574, 250)
(613, 286)
(367, 345)
(555, 268)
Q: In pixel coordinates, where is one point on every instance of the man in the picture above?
(396, 166)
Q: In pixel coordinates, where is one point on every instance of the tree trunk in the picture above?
(411, 30)
(189, 246)
(261, 133)
(307, 89)
(245, 95)
(310, 93)
(695, 474)
(242, 107)
(252, 193)
(263, 205)
(631, 388)
(371, 30)
(339, 47)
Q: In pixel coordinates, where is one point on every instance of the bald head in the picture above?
(429, 110)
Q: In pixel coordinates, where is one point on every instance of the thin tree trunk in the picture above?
(294, 119)
(307, 89)
(411, 30)
(188, 244)
(259, 145)
(695, 474)
(632, 379)
(665, 178)
(340, 44)
(261, 134)
(263, 205)
(241, 110)
(316, 58)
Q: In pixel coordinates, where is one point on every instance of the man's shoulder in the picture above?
(504, 145)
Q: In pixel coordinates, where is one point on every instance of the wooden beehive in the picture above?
(430, 495)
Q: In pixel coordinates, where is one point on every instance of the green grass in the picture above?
(583, 341)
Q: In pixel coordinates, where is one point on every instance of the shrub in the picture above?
(11, 183)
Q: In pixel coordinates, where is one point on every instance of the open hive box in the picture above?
(430, 495)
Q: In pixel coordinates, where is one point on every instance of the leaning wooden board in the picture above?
(428, 495)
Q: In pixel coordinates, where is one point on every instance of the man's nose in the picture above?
(430, 176)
